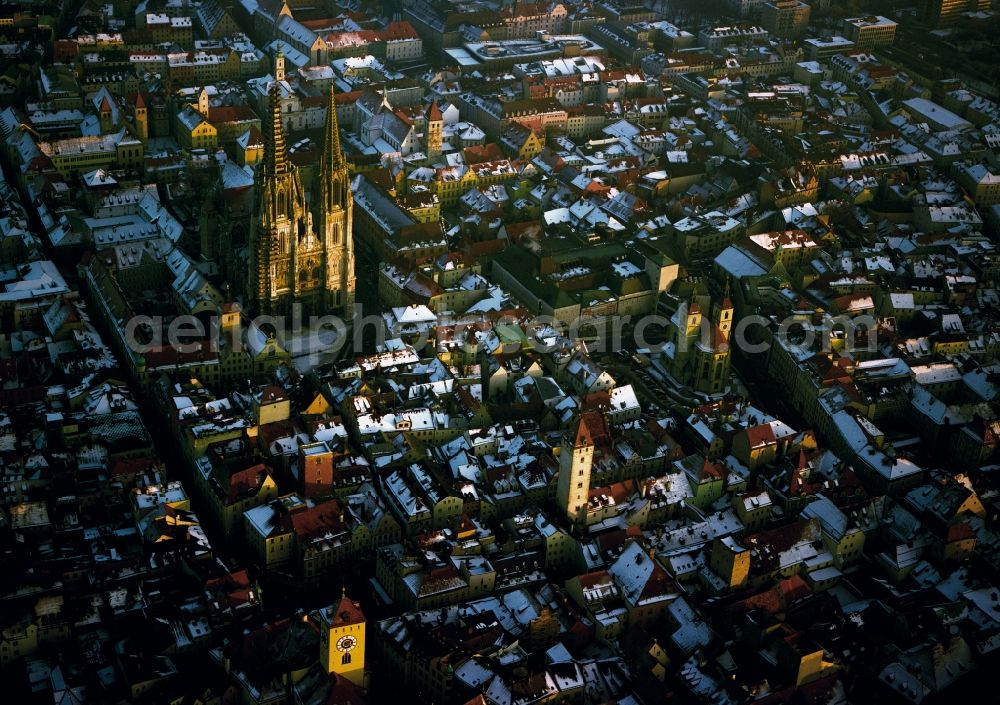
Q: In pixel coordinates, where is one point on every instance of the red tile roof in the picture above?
(245, 482)
(597, 577)
(760, 435)
(318, 520)
(347, 98)
(166, 356)
(231, 591)
(344, 692)
(591, 430)
(120, 467)
(348, 612)
(619, 491)
(399, 30)
(272, 393)
(711, 471)
(960, 532)
(231, 113)
(774, 600)
(479, 154)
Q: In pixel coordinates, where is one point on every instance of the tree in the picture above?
(543, 630)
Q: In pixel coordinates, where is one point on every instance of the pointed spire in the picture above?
(275, 156)
(434, 112)
(332, 144)
(332, 184)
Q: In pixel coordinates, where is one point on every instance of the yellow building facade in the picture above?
(342, 640)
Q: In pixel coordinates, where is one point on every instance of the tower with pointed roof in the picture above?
(576, 459)
(693, 319)
(302, 256)
(335, 217)
(280, 220)
(106, 117)
(724, 313)
(724, 316)
(712, 352)
(434, 130)
(342, 639)
(141, 118)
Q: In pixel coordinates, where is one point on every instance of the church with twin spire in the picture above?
(301, 250)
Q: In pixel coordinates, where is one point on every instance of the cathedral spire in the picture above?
(332, 143)
(275, 156)
(333, 186)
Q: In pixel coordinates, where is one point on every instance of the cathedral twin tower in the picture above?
(298, 255)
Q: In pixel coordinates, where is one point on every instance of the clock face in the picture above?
(346, 643)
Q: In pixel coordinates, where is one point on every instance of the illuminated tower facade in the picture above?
(335, 219)
(300, 256)
(280, 220)
(342, 640)
(712, 355)
(141, 118)
(106, 117)
(576, 460)
(434, 130)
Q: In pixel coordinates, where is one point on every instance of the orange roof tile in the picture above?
(760, 435)
(589, 430)
(348, 612)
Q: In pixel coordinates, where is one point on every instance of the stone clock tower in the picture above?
(342, 640)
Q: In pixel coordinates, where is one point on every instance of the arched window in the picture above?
(345, 659)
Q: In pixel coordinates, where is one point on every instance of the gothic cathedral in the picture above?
(298, 255)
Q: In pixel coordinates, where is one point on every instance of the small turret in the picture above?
(141, 118)
(203, 103)
(279, 66)
(106, 117)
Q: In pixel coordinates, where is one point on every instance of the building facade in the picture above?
(576, 459)
(944, 13)
(785, 18)
(342, 640)
(870, 32)
(297, 256)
